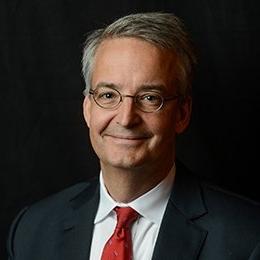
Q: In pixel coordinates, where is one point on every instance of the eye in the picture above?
(106, 95)
(150, 98)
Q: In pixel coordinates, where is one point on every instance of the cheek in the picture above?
(164, 123)
(96, 125)
(99, 120)
(164, 128)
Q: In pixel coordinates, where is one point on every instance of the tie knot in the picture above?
(125, 216)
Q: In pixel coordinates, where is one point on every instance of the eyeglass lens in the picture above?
(110, 98)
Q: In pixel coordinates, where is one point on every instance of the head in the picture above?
(164, 30)
(136, 53)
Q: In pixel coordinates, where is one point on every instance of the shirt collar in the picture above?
(150, 205)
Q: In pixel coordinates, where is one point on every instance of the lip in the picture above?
(127, 139)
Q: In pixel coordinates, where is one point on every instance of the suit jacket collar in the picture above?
(179, 236)
(79, 223)
(187, 193)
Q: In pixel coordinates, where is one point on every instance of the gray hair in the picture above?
(164, 30)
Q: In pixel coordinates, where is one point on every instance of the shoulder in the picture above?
(229, 205)
(55, 207)
(220, 210)
(60, 200)
(46, 218)
(214, 191)
(231, 221)
(214, 197)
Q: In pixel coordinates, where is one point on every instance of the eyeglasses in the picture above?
(147, 101)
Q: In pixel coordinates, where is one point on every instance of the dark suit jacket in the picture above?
(200, 222)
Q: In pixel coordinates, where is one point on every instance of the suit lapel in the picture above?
(79, 223)
(179, 236)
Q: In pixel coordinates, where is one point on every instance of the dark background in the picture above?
(44, 145)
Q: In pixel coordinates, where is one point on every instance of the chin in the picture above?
(126, 162)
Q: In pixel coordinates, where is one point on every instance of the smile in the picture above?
(127, 139)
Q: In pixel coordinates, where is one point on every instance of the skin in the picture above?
(136, 149)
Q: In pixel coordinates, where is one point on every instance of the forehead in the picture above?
(132, 62)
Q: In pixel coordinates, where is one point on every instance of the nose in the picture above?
(128, 115)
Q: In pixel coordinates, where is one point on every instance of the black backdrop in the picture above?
(44, 143)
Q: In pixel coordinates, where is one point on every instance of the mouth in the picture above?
(127, 139)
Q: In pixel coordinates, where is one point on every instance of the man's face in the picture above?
(127, 137)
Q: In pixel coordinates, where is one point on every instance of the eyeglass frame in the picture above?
(135, 99)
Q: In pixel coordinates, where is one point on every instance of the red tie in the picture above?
(119, 245)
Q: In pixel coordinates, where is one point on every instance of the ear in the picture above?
(86, 109)
(183, 115)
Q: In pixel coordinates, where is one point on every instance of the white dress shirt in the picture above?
(150, 206)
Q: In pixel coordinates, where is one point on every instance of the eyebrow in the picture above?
(158, 87)
(106, 84)
(148, 87)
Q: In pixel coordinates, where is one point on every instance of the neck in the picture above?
(125, 185)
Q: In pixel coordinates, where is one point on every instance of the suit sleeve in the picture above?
(11, 243)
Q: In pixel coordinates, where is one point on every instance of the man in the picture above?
(138, 74)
